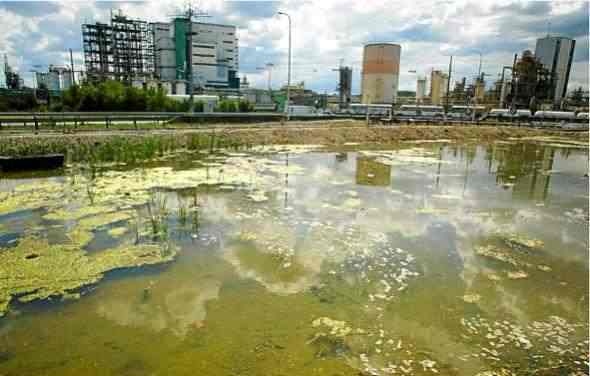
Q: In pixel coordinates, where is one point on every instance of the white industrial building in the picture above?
(56, 78)
(556, 54)
(214, 54)
(420, 89)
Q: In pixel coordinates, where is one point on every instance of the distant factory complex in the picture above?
(185, 57)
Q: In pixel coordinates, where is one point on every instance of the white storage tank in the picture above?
(380, 76)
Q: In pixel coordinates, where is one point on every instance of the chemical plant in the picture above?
(186, 57)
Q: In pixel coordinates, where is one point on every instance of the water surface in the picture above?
(427, 259)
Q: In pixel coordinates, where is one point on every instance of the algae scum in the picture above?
(431, 258)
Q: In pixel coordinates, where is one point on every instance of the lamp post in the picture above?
(289, 67)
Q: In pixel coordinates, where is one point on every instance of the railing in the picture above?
(67, 121)
(135, 120)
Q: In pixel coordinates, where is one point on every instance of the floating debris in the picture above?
(471, 298)
(544, 268)
(337, 328)
(520, 274)
(258, 196)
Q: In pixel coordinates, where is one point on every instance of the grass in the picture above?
(158, 215)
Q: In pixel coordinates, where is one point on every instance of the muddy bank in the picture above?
(130, 146)
(359, 133)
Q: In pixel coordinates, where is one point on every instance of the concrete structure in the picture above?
(420, 89)
(438, 87)
(380, 75)
(214, 53)
(556, 55)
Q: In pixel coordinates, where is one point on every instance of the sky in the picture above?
(325, 34)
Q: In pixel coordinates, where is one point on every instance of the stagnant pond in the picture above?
(430, 258)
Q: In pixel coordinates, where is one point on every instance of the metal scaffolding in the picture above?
(122, 50)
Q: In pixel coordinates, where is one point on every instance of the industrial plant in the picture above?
(185, 57)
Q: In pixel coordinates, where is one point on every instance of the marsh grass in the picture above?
(195, 221)
(158, 215)
(183, 210)
(123, 149)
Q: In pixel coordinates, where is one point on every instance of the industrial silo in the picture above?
(380, 77)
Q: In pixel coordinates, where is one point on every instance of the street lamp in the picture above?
(289, 67)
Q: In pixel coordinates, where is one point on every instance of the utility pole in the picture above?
(449, 84)
(289, 69)
(514, 87)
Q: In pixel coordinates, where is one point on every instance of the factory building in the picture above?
(556, 55)
(12, 80)
(438, 87)
(420, 89)
(214, 54)
(56, 78)
(380, 75)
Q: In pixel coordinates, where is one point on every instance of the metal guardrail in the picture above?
(81, 119)
(37, 119)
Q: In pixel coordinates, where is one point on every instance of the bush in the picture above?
(115, 96)
(22, 102)
(245, 106)
(226, 105)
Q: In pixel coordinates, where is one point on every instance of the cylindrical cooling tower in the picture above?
(380, 77)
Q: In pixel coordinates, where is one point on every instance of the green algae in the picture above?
(36, 270)
(29, 196)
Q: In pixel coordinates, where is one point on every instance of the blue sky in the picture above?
(325, 33)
